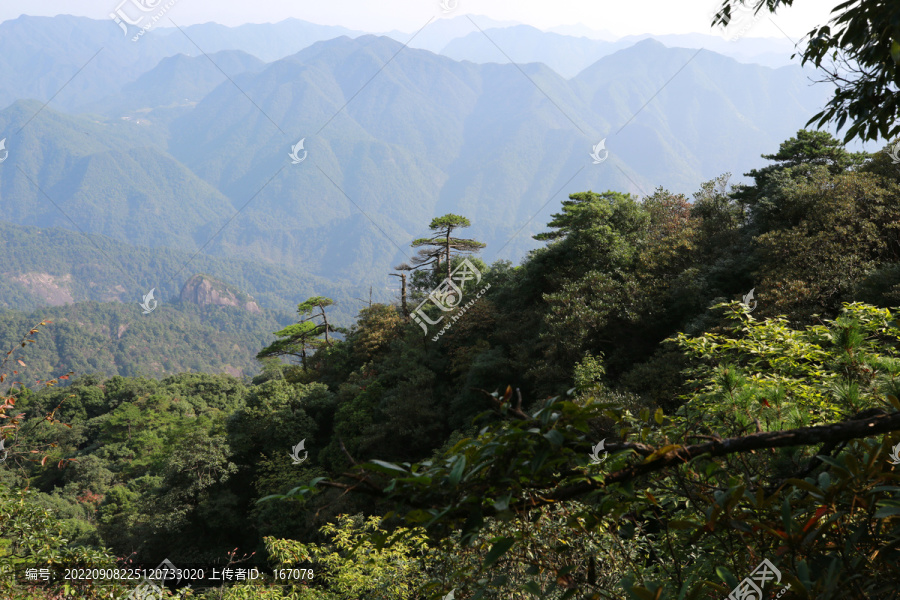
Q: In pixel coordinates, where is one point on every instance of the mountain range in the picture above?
(569, 55)
(40, 55)
(178, 151)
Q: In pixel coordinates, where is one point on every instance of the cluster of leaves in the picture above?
(829, 372)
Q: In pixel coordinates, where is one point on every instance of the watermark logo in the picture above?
(138, 15)
(600, 147)
(748, 299)
(449, 5)
(295, 452)
(743, 18)
(894, 153)
(147, 589)
(4, 153)
(296, 159)
(146, 303)
(751, 588)
(595, 453)
(448, 295)
(123, 19)
(895, 454)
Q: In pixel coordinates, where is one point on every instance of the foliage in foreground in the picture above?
(677, 519)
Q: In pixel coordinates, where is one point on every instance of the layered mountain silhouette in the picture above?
(568, 55)
(190, 152)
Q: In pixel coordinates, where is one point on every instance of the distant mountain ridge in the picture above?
(479, 140)
(40, 55)
(426, 136)
(569, 55)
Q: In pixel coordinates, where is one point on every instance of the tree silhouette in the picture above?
(440, 248)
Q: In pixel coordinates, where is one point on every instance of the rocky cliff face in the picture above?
(203, 290)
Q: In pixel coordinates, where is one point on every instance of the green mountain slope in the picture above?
(114, 339)
(105, 177)
(54, 266)
(181, 79)
(426, 136)
(429, 135)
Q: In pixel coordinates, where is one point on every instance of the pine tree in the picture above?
(439, 249)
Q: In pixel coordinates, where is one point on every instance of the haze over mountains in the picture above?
(156, 145)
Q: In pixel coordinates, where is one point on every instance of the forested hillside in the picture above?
(107, 338)
(666, 393)
(50, 266)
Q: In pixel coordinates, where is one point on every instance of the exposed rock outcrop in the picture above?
(205, 290)
(55, 290)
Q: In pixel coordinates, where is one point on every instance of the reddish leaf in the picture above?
(819, 513)
(44, 460)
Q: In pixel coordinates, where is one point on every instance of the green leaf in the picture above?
(380, 465)
(532, 588)
(726, 576)
(887, 511)
(498, 549)
(643, 593)
(786, 519)
(502, 503)
(555, 437)
(456, 473)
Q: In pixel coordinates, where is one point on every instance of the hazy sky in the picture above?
(621, 17)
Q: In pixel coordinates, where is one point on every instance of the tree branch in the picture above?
(804, 436)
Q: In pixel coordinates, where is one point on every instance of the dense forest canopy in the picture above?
(607, 420)
(672, 398)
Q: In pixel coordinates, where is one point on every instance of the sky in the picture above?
(621, 17)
